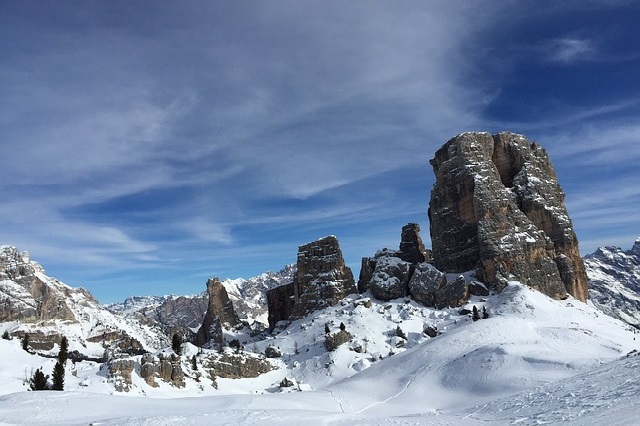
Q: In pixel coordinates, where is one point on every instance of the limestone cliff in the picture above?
(219, 312)
(322, 279)
(497, 208)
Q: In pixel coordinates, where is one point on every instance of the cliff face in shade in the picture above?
(497, 208)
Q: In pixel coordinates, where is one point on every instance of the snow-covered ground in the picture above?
(533, 361)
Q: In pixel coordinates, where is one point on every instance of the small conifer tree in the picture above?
(57, 377)
(342, 327)
(38, 381)
(176, 344)
(63, 353)
(476, 315)
(6, 336)
(194, 363)
(326, 329)
(485, 314)
(25, 342)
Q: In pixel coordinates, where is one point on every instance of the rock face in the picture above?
(497, 208)
(389, 270)
(322, 279)
(27, 295)
(219, 312)
(166, 368)
(614, 281)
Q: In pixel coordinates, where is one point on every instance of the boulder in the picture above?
(497, 208)
(425, 282)
(332, 341)
(452, 294)
(390, 278)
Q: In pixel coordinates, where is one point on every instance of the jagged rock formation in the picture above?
(249, 297)
(219, 312)
(47, 309)
(166, 368)
(332, 341)
(497, 208)
(392, 274)
(235, 366)
(26, 294)
(614, 281)
(322, 279)
(393, 269)
(120, 371)
(168, 311)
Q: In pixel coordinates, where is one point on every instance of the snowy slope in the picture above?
(533, 360)
(614, 281)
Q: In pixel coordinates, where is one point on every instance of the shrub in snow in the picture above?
(25, 342)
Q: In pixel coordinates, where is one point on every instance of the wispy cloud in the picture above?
(570, 50)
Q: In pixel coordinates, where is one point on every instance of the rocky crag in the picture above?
(497, 209)
(391, 274)
(614, 281)
(45, 309)
(322, 279)
(219, 313)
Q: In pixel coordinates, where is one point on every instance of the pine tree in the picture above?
(6, 336)
(194, 363)
(176, 344)
(326, 329)
(63, 353)
(57, 377)
(38, 381)
(25, 342)
(476, 315)
(342, 327)
(485, 314)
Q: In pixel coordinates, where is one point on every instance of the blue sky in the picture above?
(148, 146)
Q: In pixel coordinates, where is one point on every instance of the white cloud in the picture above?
(570, 50)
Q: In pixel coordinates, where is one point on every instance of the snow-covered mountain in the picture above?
(46, 309)
(533, 360)
(614, 281)
(247, 295)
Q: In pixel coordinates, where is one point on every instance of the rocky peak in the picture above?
(219, 312)
(411, 247)
(614, 281)
(29, 295)
(635, 250)
(322, 279)
(497, 208)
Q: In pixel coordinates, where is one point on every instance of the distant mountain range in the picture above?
(614, 281)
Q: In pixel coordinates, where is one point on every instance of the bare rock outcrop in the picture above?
(167, 368)
(497, 208)
(219, 312)
(26, 296)
(322, 279)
